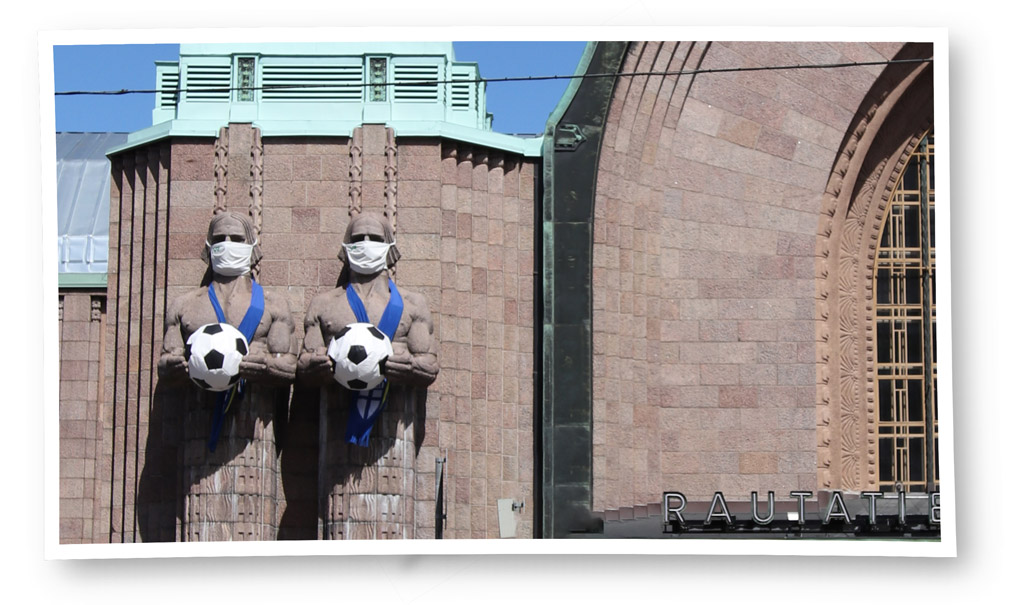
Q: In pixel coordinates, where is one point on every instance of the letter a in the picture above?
(837, 498)
(719, 499)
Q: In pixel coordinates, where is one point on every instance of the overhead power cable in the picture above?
(688, 72)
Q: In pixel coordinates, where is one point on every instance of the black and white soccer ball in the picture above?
(214, 353)
(359, 353)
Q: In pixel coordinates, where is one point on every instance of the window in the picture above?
(907, 421)
(378, 78)
(246, 79)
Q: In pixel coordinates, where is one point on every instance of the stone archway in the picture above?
(894, 116)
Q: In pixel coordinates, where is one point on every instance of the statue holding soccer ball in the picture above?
(370, 345)
(234, 341)
(368, 296)
(231, 251)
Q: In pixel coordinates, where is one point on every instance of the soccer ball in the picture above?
(359, 353)
(214, 352)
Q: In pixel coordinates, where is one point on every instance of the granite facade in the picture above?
(464, 219)
(707, 334)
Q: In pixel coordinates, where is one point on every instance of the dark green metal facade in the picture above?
(572, 146)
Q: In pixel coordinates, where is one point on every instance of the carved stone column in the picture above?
(232, 493)
(367, 493)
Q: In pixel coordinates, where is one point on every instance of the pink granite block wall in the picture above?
(709, 195)
(134, 302)
(82, 319)
(484, 324)
(305, 213)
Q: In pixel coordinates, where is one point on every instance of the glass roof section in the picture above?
(83, 203)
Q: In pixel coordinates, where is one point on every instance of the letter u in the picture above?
(771, 508)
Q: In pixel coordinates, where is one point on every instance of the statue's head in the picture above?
(231, 247)
(369, 245)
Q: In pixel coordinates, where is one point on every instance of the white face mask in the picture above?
(230, 258)
(368, 257)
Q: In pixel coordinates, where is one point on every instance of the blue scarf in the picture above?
(368, 405)
(248, 329)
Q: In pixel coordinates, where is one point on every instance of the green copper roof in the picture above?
(81, 280)
(324, 89)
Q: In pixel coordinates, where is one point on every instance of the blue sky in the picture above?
(518, 107)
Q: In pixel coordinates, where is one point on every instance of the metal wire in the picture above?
(690, 72)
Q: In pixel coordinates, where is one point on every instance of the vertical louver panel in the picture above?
(168, 85)
(312, 83)
(208, 83)
(462, 92)
(460, 96)
(416, 83)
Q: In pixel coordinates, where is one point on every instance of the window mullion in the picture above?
(926, 310)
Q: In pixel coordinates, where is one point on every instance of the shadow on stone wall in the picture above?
(178, 458)
(297, 442)
(158, 499)
(176, 455)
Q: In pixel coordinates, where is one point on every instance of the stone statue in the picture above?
(271, 357)
(231, 478)
(366, 473)
(415, 359)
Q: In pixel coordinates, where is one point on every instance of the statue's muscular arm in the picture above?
(415, 360)
(273, 359)
(314, 366)
(172, 364)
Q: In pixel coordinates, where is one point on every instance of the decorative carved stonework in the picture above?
(850, 327)
(256, 186)
(96, 307)
(391, 180)
(220, 171)
(865, 172)
(378, 78)
(355, 173)
(246, 79)
(391, 188)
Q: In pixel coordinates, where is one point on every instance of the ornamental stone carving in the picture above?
(890, 123)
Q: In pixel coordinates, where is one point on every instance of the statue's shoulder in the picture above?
(184, 307)
(275, 303)
(326, 299)
(411, 296)
(413, 299)
(273, 298)
(189, 298)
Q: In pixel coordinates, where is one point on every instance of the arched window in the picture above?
(907, 413)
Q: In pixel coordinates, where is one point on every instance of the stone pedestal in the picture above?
(367, 492)
(232, 492)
